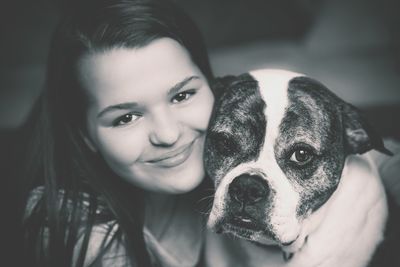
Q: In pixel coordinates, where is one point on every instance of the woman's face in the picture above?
(148, 114)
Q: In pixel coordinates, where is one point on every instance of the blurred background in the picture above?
(352, 46)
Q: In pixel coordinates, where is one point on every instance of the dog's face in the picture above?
(275, 149)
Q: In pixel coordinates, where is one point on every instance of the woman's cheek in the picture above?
(199, 112)
(209, 109)
(122, 146)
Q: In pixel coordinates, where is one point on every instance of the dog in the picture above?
(291, 185)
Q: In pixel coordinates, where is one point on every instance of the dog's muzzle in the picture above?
(247, 196)
(248, 190)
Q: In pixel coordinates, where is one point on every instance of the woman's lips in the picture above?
(173, 158)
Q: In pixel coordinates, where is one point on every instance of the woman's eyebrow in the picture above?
(175, 89)
(121, 106)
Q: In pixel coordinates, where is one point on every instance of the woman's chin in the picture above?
(182, 182)
(168, 182)
(186, 186)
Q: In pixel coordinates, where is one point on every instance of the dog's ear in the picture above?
(359, 135)
(220, 84)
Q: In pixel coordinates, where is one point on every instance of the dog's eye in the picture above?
(301, 156)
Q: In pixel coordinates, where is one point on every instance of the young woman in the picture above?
(118, 137)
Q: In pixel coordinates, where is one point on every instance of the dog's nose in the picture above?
(248, 189)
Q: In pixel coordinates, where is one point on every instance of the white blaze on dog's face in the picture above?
(275, 149)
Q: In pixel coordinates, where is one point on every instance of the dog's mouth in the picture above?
(246, 227)
(238, 221)
(245, 222)
(243, 226)
(240, 231)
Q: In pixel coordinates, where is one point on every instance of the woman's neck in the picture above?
(159, 211)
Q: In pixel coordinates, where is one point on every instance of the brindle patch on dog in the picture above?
(237, 130)
(306, 128)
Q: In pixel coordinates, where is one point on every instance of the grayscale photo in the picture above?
(213, 133)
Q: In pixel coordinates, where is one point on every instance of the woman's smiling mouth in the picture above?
(173, 158)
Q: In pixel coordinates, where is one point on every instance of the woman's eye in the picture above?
(301, 156)
(183, 96)
(125, 119)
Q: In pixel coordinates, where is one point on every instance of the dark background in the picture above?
(350, 45)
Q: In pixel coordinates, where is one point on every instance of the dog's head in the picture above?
(276, 147)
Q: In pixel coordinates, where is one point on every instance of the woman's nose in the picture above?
(165, 129)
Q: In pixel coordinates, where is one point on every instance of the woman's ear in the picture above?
(88, 142)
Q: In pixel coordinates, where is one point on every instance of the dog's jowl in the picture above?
(283, 152)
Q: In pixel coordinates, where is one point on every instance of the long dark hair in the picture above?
(60, 167)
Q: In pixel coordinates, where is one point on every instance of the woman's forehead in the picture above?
(134, 74)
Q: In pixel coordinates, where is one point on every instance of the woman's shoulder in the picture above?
(105, 246)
